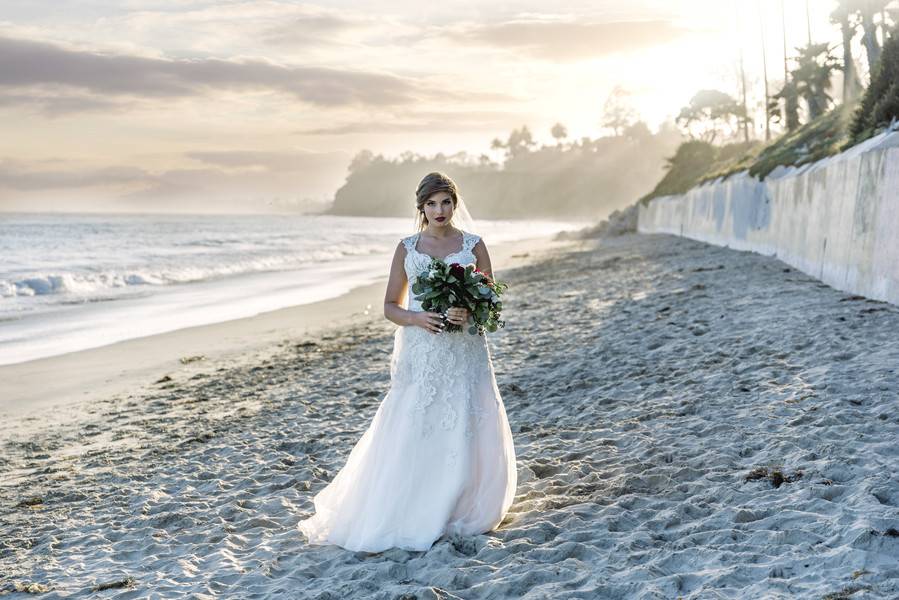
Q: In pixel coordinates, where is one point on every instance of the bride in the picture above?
(437, 458)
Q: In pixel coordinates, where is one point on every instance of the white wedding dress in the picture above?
(437, 458)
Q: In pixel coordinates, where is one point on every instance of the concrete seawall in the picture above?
(836, 219)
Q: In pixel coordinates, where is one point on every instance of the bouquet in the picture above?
(443, 286)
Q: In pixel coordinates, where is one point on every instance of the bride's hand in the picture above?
(429, 321)
(457, 315)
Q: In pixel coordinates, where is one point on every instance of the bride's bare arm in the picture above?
(483, 262)
(396, 290)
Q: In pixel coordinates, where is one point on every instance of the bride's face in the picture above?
(439, 209)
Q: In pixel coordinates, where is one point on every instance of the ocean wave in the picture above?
(74, 283)
(90, 283)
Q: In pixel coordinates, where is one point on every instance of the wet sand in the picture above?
(689, 422)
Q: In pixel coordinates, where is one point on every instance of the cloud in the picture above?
(271, 161)
(569, 40)
(368, 127)
(175, 184)
(28, 64)
(52, 106)
(310, 29)
(231, 179)
(34, 175)
(19, 176)
(431, 121)
(213, 188)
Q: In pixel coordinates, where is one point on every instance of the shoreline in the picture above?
(124, 368)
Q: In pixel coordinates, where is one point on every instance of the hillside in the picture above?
(586, 179)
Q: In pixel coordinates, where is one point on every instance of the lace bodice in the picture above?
(416, 261)
(444, 367)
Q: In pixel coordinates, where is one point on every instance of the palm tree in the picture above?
(744, 107)
(890, 15)
(808, 23)
(765, 73)
(618, 114)
(788, 92)
(869, 38)
(497, 145)
(814, 69)
(841, 16)
(865, 11)
(880, 104)
(559, 133)
(708, 109)
(520, 141)
(790, 96)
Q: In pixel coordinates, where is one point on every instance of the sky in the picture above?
(173, 104)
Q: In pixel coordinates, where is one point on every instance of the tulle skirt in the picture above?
(423, 469)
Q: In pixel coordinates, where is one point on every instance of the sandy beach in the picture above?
(690, 422)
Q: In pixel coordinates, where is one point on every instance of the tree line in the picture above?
(569, 179)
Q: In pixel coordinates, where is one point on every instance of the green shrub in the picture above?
(880, 104)
(813, 141)
(696, 162)
(690, 161)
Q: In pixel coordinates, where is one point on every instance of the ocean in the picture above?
(74, 281)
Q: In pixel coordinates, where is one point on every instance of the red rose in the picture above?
(457, 271)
